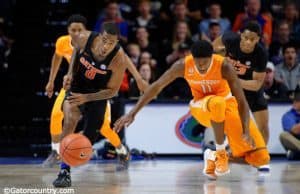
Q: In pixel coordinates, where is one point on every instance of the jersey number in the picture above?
(90, 73)
(206, 88)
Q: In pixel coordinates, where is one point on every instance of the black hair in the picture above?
(213, 24)
(77, 18)
(201, 49)
(110, 28)
(253, 26)
(288, 45)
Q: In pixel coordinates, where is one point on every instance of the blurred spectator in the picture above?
(112, 14)
(274, 90)
(291, 15)
(282, 37)
(179, 13)
(213, 33)
(145, 71)
(215, 12)
(142, 39)
(5, 47)
(290, 138)
(252, 13)
(134, 53)
(179, 89)
(146, 57)
(145, 19)
(288, 72)
(181, 34)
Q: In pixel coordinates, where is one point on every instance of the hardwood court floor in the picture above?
(158, 176)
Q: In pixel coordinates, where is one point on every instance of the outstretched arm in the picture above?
(177, 70)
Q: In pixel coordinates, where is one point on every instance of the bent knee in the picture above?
(258, 157)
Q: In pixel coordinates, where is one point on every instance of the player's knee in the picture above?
(105, 131)
(258, 157)
(217, 106)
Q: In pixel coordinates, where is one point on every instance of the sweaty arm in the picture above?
(256, 83)
(230, 75)
(176, 71)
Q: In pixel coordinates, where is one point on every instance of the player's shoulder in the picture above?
(261, 51)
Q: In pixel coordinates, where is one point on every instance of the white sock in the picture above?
(220, 146)
(121, 150)
(212, 155)
(55, 146)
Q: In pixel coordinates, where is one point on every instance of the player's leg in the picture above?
(259, 107)
(256, 156)
(55, 129)
(114, 139)
(262, 119)
(71, 118)
(210, 111)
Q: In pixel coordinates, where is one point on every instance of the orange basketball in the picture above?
(75, 149)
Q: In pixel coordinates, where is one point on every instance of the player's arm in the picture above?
(55, 64)
(176, 71)
(219, 46)
(142, 84)
(230, 75)
(259, 73)
(256, 83)
(78, 44)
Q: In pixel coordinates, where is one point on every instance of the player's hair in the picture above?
(253, 26)
(110, 28)
(77, 18)
(201, 49)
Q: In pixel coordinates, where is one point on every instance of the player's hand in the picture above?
(125, 120)
(142, 85)
(248, 139)
(76, 99)
(49, 89)
(67, 82)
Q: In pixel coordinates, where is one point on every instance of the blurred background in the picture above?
(155, 34)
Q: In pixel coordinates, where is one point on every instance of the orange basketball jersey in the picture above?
(64, 48)
(210, 83)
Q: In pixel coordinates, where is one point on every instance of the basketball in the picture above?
(76, 149)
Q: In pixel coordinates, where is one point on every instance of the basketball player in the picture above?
(95, 75)
(63, 49)
(250, 61)
(212, 79)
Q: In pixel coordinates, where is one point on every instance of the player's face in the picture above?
(203, 63)
(248, 41)
(108, 43)
(75, 29)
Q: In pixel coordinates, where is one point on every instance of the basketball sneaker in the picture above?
(222, 166)
(52, 159)
(123, 160)
(209, 164)
(63, 179)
